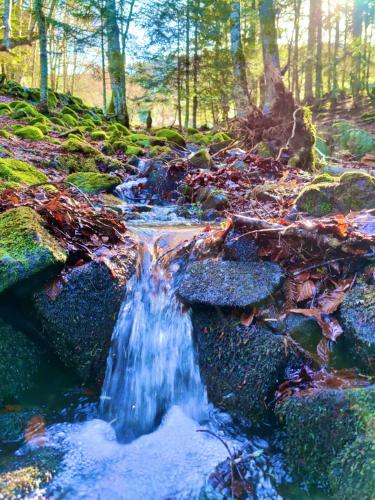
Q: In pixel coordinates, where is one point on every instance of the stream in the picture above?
(141, 441)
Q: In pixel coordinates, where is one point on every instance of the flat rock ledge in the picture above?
(229, 283)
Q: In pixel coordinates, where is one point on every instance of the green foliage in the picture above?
(67, 110)
(4, 133)
(358, 141)
(20, 172)
(69, 120)
(91, 182)
(31, 132)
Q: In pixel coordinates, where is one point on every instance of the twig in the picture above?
(332, 261)
(292, 136)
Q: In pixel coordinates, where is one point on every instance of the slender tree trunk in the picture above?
(187, 65)
(7, 21)
(196, 63)
(271, 58)
(102, 47)
(179, 71)
(296, 76)
(309, 65)
(319, 50)
(344, 57)
(357, 21)
(116, 63)
(43, 55)
(335, 87)
(329, 64)
(241, 88)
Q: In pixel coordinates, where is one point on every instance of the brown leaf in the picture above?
(305, 290)
(323, 350)
(35, 431)
(331, 328)
(54, 289)
(330, 301)
(247, 318)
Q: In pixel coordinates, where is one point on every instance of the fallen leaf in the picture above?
(331, 328)
(247, 318)
(35, 432)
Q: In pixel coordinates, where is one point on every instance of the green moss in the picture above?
(26, 247)
(4, 133)
(264, 150)
(74, 145)
(5, 107)
(319, 426)
(219, 137)
(358, 141)
(172, 136)
(356, 191)
(324, 178)
(192, 131)
(67, 110)
(144, 140)
(58, 121)
(201, 159)
(99, 135)
(91, 182)
(20, 172)
(9, 185)
(69, 120)
(134, 150)
(316, 199)
(351, 473)
(23, 109)
(30, 132)
(121, 128)
(19, 362)
(159, 151)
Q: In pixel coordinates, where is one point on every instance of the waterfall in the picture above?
(152, 364)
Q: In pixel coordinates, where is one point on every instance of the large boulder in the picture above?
(201, 159)
(241, 247)
(323, 424)
(229, 283)
(242, 366)
(358, 318)
(20, 172)
(94, 182)
(19, 363)
(26, 247)
(78, 320)
(353, 191)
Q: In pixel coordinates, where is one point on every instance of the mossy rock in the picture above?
(19, 362)
(201, 159)
(23, 110)
(58, 121)
(20, 172)
(5, 134)
(99, 135)
(156, 151)
(192, 131)
(356, 191)
(30, 132)
(92, 182)
(121, 128)
(319, 426)
(357, 314)
(67, 110)
(324, 178)
(134, 150)
(74, 145)
(9, 185)
(69, 120)
(172, 136)
(242, 366)
(5, 108)
(146, 141)
(29, 472)
(76, 163)
(351, 473)
(79, 323)
(26, 247)
(317, 199)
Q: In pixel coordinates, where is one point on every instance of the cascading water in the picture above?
(151, 365)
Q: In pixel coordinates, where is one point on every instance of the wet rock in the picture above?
(351, 474)
(358, 318)
(26, 247)
(19, 363)
(240, 247)
(356, 191)
(78, 322)
(14, 423)
(228, 283)
(353, 191)
(317, 199)
(163, 181)
(242, 366)
(320, 425)
(211, 199)
(201, 159)
(23, 474)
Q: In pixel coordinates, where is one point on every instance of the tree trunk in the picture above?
(319, 50)
(335, 89)
(271, 58)
(295, 84)
(179, 71)
(196, 63)
(355, 77)
(309, 66)
(102, 48)
(7, 20)
(187, 66)
(116, 63)
(43, 55)
(241, 89)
